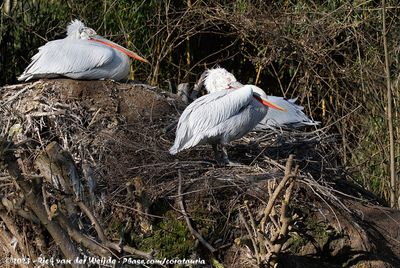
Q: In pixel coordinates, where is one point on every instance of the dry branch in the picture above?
(187, 219)
(252, 237)
(93, 220)
(34, 200)
(268, 244)
(81, 238)
(277, 191)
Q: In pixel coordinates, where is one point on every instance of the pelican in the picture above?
(221, 117)
(83, 54)
(218, 79)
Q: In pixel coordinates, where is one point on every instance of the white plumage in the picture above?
(219, 118)
(76, 30)
(219, 79)
(81, 55)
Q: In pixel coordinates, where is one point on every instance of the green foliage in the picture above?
(170, 238)
(241, 6)
(296, 242)
(319, 231)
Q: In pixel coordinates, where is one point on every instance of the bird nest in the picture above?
(95, 154)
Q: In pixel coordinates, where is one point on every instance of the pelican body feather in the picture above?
(81, 55)
(219, 118)
(217, 79)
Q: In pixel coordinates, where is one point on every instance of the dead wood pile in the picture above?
(85, 170)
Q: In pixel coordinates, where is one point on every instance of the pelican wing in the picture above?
(64, 56)
(293, 118)
(200, 118)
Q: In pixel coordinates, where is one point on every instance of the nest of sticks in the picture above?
(85, 169)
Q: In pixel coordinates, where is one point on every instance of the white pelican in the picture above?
(220, 117)
(81, 55)
(217, 79)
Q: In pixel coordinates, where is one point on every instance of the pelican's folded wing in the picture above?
(64, 56)
(206, 113)
(294, 116)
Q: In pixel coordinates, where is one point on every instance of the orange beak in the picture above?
(109, 43)
(268, 103)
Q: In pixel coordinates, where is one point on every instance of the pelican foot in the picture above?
(233, 164)
(221, 161)
(225, 162)
(221, 156)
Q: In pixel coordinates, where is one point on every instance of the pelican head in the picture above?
(77, 30)
(258, 92)
(87, 33)
(218, 79)
(260, 95)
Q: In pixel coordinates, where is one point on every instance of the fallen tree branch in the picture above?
(34, 200)
(81, 238)
(11, 206)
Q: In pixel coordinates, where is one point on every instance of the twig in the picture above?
(81, 238)
(94, 117)
(131, 250)
(46, 206)
(252, 237)
(252, 221)
(42, 114)
(185, 215)
(26, 87)
(93, 220)
(277, 191)
(103, 238)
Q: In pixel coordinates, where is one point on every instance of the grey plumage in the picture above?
(218, 118)
(81, 55)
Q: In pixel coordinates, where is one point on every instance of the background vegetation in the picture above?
(329, 53)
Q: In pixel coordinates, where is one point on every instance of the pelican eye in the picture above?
(91, 32)
(88, 31)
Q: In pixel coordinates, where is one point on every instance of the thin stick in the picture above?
(46, 206)
(28, 86)
(393, 177)
(185, 215)
(253, 241)
(103, 238)
(94, 221)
